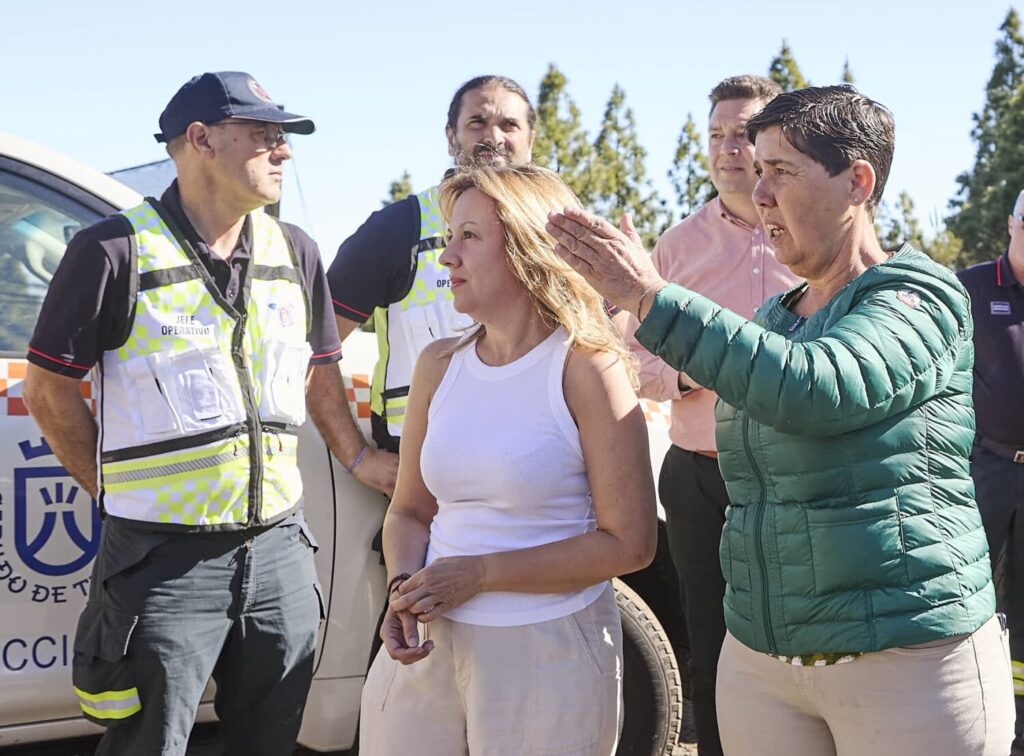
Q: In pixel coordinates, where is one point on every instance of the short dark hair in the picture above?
(744, 87)
(479, 82)
(833, 126)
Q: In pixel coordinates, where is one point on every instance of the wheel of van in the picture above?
(652, 690)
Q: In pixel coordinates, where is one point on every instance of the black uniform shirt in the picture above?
(375, 266)
(997, 304)
(87, 306)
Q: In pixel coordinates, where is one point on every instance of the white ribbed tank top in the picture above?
(502, 456)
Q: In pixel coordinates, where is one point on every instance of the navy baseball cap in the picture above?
(212, 97)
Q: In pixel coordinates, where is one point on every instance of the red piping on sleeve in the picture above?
(344, 306)
(59, 361)
(326, 354)
(999, 272)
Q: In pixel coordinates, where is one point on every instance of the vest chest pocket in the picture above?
(284, 389)
(419, 326)
(183, 393)
(155, 413)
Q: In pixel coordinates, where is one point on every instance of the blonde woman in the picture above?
(524, 486)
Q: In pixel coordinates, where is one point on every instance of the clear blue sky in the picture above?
(90, 78)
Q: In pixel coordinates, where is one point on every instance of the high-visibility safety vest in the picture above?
(199, 407)
(407, 326)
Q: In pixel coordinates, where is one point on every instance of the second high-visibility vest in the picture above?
(406, 327)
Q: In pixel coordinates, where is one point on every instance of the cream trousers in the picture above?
(948, 698)
(552, 687)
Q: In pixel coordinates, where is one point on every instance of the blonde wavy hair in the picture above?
(524, 196)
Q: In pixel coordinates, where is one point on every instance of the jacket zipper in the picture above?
(758, 539)
(254, 427)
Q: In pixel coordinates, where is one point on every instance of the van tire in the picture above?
(652, 690)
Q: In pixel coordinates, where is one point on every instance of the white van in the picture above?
(49, 526)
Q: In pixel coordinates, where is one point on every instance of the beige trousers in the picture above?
(549, 688)
(948, 698)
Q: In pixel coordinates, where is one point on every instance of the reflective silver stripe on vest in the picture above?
(191, 465)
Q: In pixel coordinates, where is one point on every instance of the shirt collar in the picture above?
(171, 199)
(1004, 273)
(723, 211)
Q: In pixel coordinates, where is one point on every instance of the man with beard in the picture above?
(389, 270)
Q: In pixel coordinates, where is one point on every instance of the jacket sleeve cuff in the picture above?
(657, 325)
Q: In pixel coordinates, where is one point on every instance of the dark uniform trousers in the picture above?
(693, 493)
(167, 612)
(999, 488)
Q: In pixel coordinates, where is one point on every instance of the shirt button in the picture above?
(757, 270)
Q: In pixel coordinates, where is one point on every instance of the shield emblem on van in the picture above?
(56, 522)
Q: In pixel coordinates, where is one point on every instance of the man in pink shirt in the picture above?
(723, 252)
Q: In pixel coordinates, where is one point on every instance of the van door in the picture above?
(49, 525)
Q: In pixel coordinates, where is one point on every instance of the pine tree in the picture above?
(945, 248)
(898, 224)
(887, 226)
(399, 189)
(620, 176)
(784, 71)
(912, 234)
(561, 143)
(987, 192)
(689, 172)
(847, 75)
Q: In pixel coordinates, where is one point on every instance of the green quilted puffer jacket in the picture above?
(843, 440)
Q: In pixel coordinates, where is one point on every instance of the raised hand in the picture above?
(612, 260)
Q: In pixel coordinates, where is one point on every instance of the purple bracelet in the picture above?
(357, 460)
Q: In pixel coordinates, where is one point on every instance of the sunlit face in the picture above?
(730, 153)
(807, 213)
(492, 127)
(247, 164)
(481, 279)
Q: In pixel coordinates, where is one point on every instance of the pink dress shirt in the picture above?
(725, 259)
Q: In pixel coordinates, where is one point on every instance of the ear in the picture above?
(449, 134)
(862, 181)
(198, 137)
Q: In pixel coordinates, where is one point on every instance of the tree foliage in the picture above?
(620, 174)
(561, 143)
(898, 224)
(399, 189)
(986, 193)
(785, 72)
(689, 172)
(847, 76)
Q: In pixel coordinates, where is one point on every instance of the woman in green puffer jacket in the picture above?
(859, 597)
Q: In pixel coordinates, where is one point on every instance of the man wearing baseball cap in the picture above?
(997, 460)
(200, 315)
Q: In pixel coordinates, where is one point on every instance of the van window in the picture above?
(36, 224)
